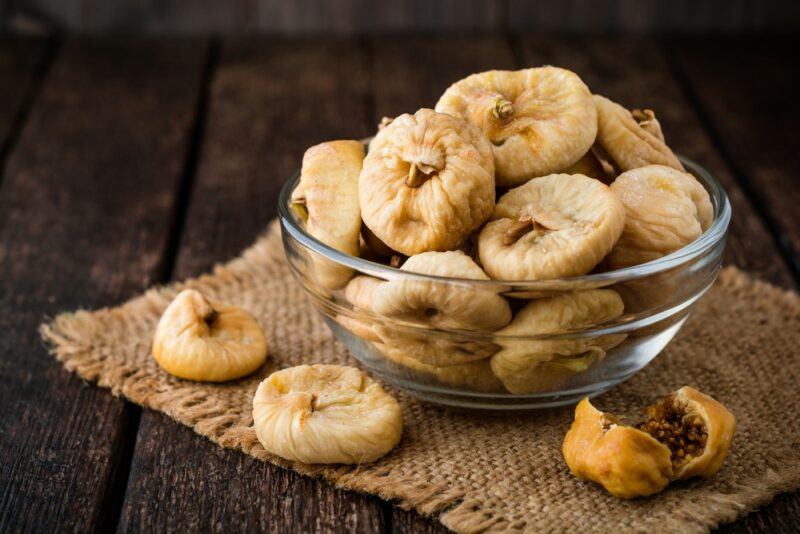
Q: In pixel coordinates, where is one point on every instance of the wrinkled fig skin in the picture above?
(551, 227)
(539, 120)
(720, 425)
(529, 365)
(627, 462)
(197, 339)
(326, 414)
(630, 145)
(439, 305)
(665, 210)
(474, 375)
(635, 462)
(427, 183)
(328, 194)
(646, 118)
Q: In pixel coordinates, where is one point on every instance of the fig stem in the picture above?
(416, 177)
(503, 108)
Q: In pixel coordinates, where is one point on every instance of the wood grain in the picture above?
(748, 93)
(269, 102)
(85, 208)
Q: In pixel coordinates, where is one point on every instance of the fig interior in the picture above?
(683, 433)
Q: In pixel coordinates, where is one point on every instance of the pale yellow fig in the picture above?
(326, 414)
(629, 144)
(528, 365)
(551, 227)
(427, 182)
(327, 200)
(201, 340)
(589, 165)
(540, 120)
(360, 292)
(427, 306)
(472, 375)
(666, 209)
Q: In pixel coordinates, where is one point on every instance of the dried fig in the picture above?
(326, 414)
(197, 339)
(427, 182)
(360, 292)
(589, 165)
(665, 210)
(440, 305)
(539, 120)
(629, 145)
(327, 201)
(528, 366)
(474, 375)
(555, 226)
(688, 434)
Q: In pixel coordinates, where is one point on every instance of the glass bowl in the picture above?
(455, 367)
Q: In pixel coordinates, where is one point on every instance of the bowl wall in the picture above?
(436, 337)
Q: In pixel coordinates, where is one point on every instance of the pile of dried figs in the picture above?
(515, 176)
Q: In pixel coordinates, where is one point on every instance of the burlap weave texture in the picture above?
(483, 472)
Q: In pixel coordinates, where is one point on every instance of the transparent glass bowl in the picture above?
(403, 348)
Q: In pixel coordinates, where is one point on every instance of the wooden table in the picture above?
(129, 163)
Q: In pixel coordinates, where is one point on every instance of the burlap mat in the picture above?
(481, 472)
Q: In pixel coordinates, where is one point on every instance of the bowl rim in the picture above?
(710, 238)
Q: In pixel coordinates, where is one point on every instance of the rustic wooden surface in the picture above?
(129, 163)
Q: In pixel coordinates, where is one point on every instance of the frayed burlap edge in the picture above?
(81, 341)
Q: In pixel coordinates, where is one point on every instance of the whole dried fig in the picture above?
(439, 305)
(198, 339)
(555, 226)
(688, 434)
(539, 120)
(529, 365)
(326, 414)
(327, 201)
(473, 375)
(427, 182)
(630, 145)
(666, 209)
(646, 118)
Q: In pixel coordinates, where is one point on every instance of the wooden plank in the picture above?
(19, 62)
(748, 91)
(85, 207)
(635, 73)
(269, 102)
(413, 73)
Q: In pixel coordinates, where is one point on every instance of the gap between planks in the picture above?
(133, 413)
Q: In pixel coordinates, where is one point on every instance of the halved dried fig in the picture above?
(529, 365)
(539, 120)
(440, 305)
(688, 434)
(327, 201)
(555, 226)
(427, 182)
(630, 145)
(666, 209)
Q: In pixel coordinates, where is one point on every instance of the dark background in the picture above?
(365, 17)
